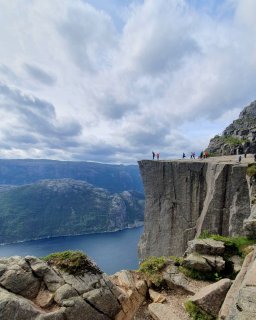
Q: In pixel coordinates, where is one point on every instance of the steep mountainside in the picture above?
(64, 207)
(239, 136)
(115, 178)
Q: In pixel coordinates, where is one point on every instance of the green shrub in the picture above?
(196, 313)
(251, 170)
(177, 260)
(152, 267)
(72, 262)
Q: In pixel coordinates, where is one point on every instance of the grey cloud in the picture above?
(113, 109)
(36, 116)
(89, 36)
(40, 74)
(8, 72)
(21, 100)
(165, 54)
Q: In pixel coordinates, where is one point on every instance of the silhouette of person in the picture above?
(153, 154)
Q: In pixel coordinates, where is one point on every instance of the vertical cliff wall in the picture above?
(184, 198)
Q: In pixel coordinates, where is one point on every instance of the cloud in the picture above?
(112, 81)
(89, 36)
(40, 75)
(27, 120)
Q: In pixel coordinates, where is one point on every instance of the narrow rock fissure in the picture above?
(112, 293)
(98, 310)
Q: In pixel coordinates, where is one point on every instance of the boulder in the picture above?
(132, 291)
(175, 279)
(20, 280)
(103, 300)
(237, 262)
(216, 262)
(160, 311)
(81, 310)
(156, 296)
(16, 307)
(206, 246)
(196, 262)
(64, 292)
(211, 297)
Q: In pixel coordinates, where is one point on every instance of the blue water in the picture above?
(111, 251)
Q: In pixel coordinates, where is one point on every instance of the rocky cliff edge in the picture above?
(185, 198)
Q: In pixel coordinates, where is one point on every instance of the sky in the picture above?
(111, 81)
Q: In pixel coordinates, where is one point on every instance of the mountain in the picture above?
(239, 136)
(64, 207)
(115, 178)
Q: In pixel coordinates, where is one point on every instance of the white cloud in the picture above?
(165, 78)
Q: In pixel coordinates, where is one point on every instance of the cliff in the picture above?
(64, 207)
(239, 136)
(184, 198)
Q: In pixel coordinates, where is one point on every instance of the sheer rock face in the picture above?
(184, 198)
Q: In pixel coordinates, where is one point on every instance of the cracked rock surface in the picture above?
(31, 289)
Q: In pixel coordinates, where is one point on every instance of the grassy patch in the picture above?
(200, 275)
(196, 313)
(72, 262)
(233, 245)
(152, 267)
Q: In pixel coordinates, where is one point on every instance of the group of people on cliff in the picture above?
(155, 155)
(203, 155)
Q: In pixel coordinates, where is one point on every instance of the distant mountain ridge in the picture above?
(115, 178)
(65, 207)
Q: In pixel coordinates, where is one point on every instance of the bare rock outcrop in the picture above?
(32, 289)
(239, 136)
(184, 198)
(240, 302)
(211, 297)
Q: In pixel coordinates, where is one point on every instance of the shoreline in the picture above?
(138, 224)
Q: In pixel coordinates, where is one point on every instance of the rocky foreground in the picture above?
(33, 289)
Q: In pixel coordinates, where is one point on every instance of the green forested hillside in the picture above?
(64, 207)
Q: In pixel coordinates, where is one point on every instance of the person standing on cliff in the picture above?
(157, 155)
(153, 155)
